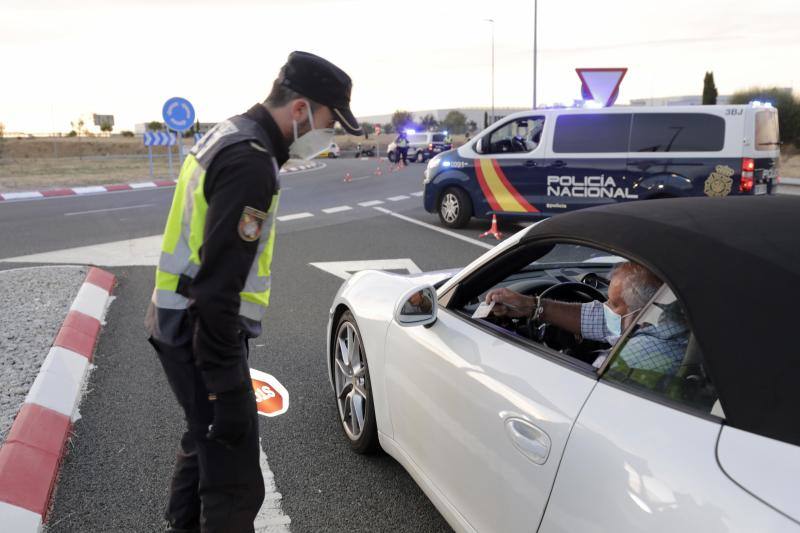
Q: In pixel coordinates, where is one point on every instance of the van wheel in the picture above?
(390, 156)
(420, 157)
(455, 208)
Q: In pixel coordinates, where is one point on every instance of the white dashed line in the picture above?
(435, 228)
(106, 210)
(398, 198)
(296, 216)
(337, 209)
(418, 193)
(371, 203)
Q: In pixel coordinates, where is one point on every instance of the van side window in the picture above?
(594, 133)
(518, 136)
(677, 132)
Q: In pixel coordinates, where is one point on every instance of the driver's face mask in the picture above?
(614, 320)
(310, 144)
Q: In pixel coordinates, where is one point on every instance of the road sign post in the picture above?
(158, 138)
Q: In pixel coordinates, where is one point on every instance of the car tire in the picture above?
(352, 387)
(454, 208)
(390, 156)
(420, 157)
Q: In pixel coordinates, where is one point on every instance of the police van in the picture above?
(547, 161)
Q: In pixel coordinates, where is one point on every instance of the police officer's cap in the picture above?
(323, 82)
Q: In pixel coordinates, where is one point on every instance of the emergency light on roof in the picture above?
(592, 104)
(757, 103)
(410, 132)
(445, 132)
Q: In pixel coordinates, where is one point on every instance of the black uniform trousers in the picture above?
(215, 488)
(402, 153)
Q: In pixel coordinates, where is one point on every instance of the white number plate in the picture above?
(761, 188)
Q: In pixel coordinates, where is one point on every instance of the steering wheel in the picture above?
(571, 292)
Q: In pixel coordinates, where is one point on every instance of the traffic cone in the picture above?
(348, 177)
(493, 231)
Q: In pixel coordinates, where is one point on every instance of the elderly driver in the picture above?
(657, 347)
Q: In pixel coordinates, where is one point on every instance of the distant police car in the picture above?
(547, 161)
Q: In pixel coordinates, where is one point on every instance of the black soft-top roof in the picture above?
(735, 264)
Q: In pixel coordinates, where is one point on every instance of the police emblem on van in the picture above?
(719, 182)
(251, 223)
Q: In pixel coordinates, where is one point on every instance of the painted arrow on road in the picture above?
(345, 269)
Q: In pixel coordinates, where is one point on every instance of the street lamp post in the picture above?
(492, 21)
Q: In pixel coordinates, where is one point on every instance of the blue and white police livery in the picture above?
(547, 161)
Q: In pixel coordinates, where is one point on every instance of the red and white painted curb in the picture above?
(32, 452)
(100, 189)
(79, 191)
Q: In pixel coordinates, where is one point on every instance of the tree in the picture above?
(106, 127)
(472, 126)
(154, 126)
(77, 126)
(126, 133)
(485, 119)
(429, 123)
(367, 127)
(455, 122)
(709, 90)
(402, 120)
(784, 101)
(387, 128)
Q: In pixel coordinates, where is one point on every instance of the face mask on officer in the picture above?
(311, 143)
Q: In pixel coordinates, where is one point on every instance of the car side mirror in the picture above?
(417, 307)
(479, 146)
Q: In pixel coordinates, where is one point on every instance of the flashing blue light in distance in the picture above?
(757, 103)
(445, 132)
(410, 132)
(592, 104)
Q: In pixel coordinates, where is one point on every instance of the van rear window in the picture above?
(438, 137)
(677, 132)
(592, 133)
(767, 134)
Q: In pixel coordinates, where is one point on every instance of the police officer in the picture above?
(402, 148)
(213, 286)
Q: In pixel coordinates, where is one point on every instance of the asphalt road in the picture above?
(115, 475)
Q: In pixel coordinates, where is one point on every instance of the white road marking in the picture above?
(398, 198)
(345, 269)
(337, 209)
(418, 193)
(295, 216)
(362, 178)
(144, 251)
(371, 203)
(270, 518)
(105, 210)
(435, 228)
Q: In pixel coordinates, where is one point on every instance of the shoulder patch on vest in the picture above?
(251, 223)
(258, 147)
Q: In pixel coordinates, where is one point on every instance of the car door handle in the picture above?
(558, 164)
(530, 163)
(531, 441)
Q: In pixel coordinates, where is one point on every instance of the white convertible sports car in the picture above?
(685, 421)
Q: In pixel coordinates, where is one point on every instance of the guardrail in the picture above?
(789, 186)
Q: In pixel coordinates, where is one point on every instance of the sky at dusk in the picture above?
(61, 59)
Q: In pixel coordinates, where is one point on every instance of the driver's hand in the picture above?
(510, 303)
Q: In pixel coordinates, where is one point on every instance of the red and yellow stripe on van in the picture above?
(502, 196)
